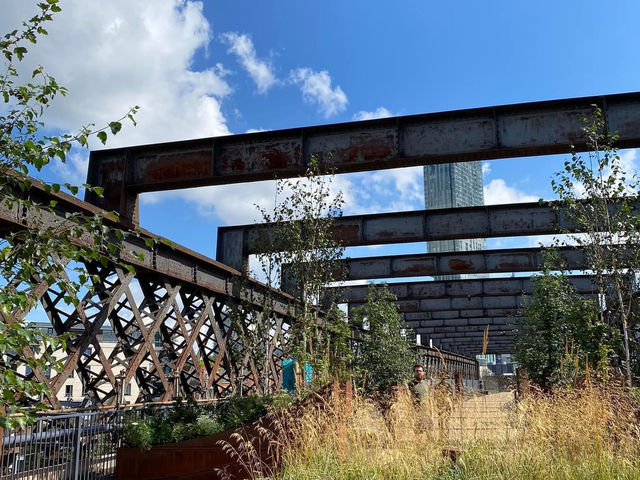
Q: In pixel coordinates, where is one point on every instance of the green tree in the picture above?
(300, 258)
(45, 254)
(386, 355)
(601, 198)
(560, 330)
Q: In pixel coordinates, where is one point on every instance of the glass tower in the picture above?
(454, 185)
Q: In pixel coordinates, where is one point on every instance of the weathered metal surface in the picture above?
(456, 263)
(477, 134)
(236, 243)
(179, 313)
(164, 258)
(205, 458)
(452, 294)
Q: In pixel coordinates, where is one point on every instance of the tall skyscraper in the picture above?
(454, 185)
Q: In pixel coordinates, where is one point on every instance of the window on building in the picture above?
(71, 374)
(109, 336)
(68, 391)
(47, 373)
(157, 340)
(127, 390)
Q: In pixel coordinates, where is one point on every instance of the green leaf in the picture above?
(102, 136)
(115, 127)
(19, 52)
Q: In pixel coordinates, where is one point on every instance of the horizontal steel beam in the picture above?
(457, 263)
(236, 243)
(441, 316)
(518, 130)
(452, 294)
(162, 258)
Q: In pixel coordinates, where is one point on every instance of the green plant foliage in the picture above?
(235, 411)
(600, 197)
(560, 332)
(191, 420)
(301, 257)
(43, 254)
(207, 425)
(139, 434)
(386, 357)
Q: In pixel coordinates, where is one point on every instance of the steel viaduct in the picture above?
(188, 300)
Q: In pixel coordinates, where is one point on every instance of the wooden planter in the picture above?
(198, 458)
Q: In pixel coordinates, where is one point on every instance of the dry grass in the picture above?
(591, 433)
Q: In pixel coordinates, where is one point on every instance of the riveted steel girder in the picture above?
(452, 294)
(236, 243)
(179, 313)
(525, 129)
(457, 263)
(162, 257)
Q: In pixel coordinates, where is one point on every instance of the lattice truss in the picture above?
(172, 339)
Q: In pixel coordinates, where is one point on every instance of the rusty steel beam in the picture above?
(526, 129)
(453, 294)
(159, 257)
(457, 263)
(236, 243)
(469, 339)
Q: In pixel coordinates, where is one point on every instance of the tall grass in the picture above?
(592, 433)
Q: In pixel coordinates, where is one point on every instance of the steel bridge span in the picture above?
(190, 300)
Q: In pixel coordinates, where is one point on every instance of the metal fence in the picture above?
(440, 362)
(78, 445)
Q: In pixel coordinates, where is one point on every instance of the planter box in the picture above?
(195, 459)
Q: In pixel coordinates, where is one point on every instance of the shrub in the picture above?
(139, 434)
(386, 357)
(190, 420)
(182, 431)
(207, 425)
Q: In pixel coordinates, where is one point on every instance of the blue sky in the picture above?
(217, 67)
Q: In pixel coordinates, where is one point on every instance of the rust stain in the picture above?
(172, 167)
(347, 233)
(275, 159)
(460, 265)
(232, 163)
(365, 148)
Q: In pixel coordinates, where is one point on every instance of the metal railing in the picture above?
(78, 445)
(75, 445)
(437, 362)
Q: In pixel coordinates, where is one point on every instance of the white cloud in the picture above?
(256, 130)
(316, 89)
(486, 168)
(111, 56)
(260, 71)
(232, 204)
(236, 204)
(498, 192)
(379, 112)
(397, 189)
